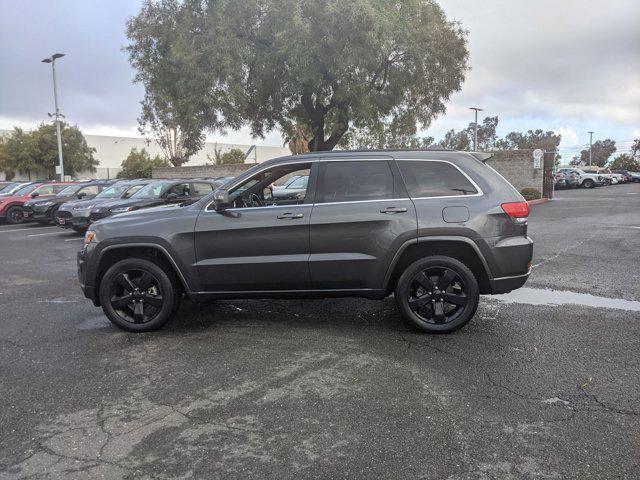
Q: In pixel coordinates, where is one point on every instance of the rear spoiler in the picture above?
(483, 157)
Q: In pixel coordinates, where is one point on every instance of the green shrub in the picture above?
(530, 194)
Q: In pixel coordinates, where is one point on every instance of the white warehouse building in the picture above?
(111, 151)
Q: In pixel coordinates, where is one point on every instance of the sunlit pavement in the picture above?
(336, 388)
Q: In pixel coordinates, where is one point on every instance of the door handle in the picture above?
(290, 216)
(393, 210)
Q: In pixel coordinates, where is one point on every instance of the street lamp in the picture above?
(57, 114)
(475, 129)
(590, 146)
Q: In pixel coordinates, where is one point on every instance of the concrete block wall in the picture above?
(517, 167)
(212, 171)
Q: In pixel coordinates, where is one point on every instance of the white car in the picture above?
(585, 180)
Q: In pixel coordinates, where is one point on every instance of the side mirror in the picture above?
(34, 194)
(221, 199)
(171, 197)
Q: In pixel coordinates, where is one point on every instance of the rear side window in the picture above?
(434, 179)
(200, 189)
(355, 181)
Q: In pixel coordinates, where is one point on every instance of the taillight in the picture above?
(518, 211)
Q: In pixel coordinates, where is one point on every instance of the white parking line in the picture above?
(23, 229)
(41, 234)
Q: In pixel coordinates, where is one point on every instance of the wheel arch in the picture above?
(150, 251)
(461, 248)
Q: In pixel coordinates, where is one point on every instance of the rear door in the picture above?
(361, 216)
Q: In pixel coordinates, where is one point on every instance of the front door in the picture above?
(261, 243)
(361, 216)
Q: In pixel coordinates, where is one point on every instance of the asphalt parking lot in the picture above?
(336, 388)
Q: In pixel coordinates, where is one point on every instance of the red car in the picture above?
(11, 206)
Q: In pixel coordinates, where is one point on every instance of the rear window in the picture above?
(434, 179)
(355, 181)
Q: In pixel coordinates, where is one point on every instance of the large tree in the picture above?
(601, 151)
(140, 164)
(530, 140)
(463, 139)
(331, 65)
(36, 151)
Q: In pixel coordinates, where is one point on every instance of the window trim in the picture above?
(475, 185)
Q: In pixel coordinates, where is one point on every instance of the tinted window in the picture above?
(355, 181)
(434, 179)
(46, 190)
(202, 189)
(182, 190)
(89, 190)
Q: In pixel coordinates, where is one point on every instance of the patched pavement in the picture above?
(336, 388)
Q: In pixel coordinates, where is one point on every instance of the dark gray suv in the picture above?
(435, 228)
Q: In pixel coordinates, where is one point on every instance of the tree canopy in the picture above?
(326, 65)
(601, 152)
(140, 164)
(628, 161)
(36, 151)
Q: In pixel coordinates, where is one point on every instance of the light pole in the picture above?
(57, 114)
(590, 146)
(475, 129)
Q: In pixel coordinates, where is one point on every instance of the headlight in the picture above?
(45, 204)
(82, 208)
(121, 209)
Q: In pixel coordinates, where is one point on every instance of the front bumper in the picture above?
(77, 223)
(37, 214)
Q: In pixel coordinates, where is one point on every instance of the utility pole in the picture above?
(475, 129)
(57, 114)
(590, 147)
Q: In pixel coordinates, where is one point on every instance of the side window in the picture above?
(49, 189)
(182, 190)
(434, 179)
(58, 188)
(89, 190)
(132, 190)
(269, 187)
(200, 189)
(352, 181)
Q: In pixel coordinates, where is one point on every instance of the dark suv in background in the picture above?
(76, 214)
(159, 192)
(44, 210)
(435, 228)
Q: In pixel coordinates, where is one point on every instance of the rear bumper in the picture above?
(507, 284)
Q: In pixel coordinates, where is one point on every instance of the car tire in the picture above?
(437, 294)
(588, 183)
(14, 214)
(132, 285)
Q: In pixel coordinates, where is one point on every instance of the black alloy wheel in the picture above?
(138, 295)
(437, 294)
(14, 214)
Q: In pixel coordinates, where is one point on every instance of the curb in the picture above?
(538, 201)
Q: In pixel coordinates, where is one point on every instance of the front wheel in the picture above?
(14, 214)
(137, 295)
(437, 294)
(588, 183)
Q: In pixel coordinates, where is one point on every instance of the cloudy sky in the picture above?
(564, 65)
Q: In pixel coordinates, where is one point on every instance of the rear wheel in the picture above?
(437, 294)
(137, 295)
(14, 214)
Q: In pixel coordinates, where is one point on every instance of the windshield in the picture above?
(70, 190)
(25, 190)
(114, 191)
(153, 190)
(9, 188)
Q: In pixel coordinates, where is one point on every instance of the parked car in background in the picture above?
(12, 187)
(625, 174)
(434, 228)
(4, 184)
(585, 180)
(44, 210)
(11, 207)
(292, 190)
(635, 176)
(157, 193)
(76, 214)
(559, 180)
